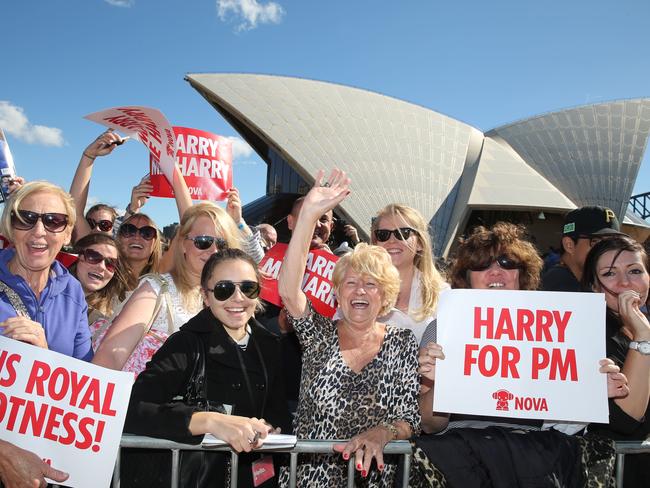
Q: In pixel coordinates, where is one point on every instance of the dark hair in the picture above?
(117, 287)
(617, 243)
(229, 254)
(102, 206)
(502, 238)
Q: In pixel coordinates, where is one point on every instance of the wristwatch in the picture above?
(642, 346)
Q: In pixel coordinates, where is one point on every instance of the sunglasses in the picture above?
(503, 261)
(26, 220)
(147, 232)
(223, 290)
(401, 234)
(205, 242)
(103, 225)
(94, 257)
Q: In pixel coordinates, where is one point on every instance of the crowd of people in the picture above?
(210, 356)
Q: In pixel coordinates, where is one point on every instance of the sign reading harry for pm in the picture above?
(522, 354)
(66, 411)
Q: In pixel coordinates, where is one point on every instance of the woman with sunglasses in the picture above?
(162, 303)
(467, 454)
(141, 245)
(403, 232)
(359, 378)
(100, 271)
(242, 375)
(101, 218)
(41, 303)
(619, 268)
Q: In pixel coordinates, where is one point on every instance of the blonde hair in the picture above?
(31, 188)
(374, 262)
(153, 263)
(225, 228)
(431, 281)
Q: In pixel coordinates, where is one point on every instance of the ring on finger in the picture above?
(326, 184)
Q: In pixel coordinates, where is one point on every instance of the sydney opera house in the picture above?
(532, 171)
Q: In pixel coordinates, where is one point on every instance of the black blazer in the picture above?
(153, 410)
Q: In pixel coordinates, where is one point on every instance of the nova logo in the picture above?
(503, 398)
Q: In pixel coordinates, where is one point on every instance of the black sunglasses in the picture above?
(147, 232)
(503, 261)
(223, 290)
(401, 234)
(26, 220)
(205, 242)
(93, 257)
(103, 225)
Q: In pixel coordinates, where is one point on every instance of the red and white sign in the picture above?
(317, 282)
(522, 354)
(149, 126)
(205, 161)
(68, 412)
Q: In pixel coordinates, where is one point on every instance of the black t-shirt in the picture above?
(560, 278)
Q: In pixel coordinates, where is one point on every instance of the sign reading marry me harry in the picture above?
(522, 354)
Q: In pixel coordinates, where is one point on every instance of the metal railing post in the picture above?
(293, 469)
(407, 470)
(176, 458)
(351, 472)
(116, 469)
(620, 464)
(234, 469)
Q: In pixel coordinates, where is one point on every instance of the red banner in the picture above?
(205, 161)
(316, 283)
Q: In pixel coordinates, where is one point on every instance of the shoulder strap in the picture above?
(164, 291)
(14, 300)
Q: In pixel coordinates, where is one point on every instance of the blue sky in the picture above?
(485, 63)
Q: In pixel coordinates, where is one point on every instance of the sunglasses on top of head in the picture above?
(223, 290)
(503, 261)
(401, 234)
(26, 220)
(103, 225)
(93, 257)
(205, 242)
(147, 232)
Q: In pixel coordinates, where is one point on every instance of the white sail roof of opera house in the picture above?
(396, 151)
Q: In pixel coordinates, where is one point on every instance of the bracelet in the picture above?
(392, 430)
(128, 210)
(241, 225)
(88, 156)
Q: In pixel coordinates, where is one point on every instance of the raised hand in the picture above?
(233, 205)
(103, 145)
(140, 194)
(326, 194)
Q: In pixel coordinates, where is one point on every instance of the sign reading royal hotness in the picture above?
(68, 412)
(522, 354)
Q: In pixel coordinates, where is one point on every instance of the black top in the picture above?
(152, 410)
(560, 278)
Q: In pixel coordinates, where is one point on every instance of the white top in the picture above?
(173, 301)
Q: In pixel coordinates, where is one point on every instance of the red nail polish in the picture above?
(359, 466)
(346, 456)
(381, 467)
(364, 473)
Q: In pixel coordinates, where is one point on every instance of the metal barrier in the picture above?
(628, 447)
(402, 448)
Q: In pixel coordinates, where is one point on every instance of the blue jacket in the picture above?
(61, 310)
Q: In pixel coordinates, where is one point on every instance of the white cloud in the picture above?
(250, 13)
(14, 121)
(240, 148)
(120, 3)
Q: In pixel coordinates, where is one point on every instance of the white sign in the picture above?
(522, 354)
(149, 126)
(66, 411)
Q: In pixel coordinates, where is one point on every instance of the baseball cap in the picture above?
(591, 221)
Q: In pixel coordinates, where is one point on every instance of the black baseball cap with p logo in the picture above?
(591, 221)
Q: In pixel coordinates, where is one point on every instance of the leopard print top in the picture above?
(337, 403)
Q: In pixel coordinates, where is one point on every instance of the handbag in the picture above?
(14, 300)
(200, 468)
